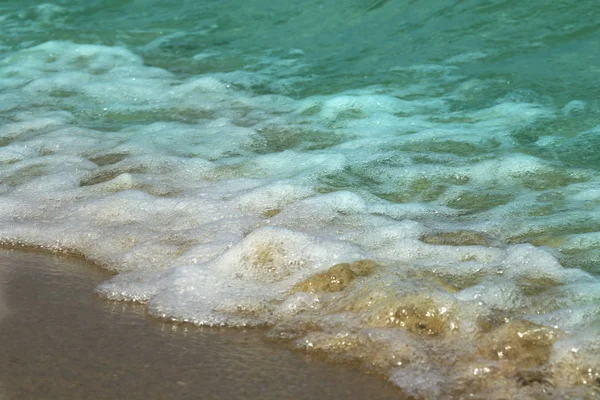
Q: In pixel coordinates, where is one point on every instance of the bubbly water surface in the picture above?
(413, 185)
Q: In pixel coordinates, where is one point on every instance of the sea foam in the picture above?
(371, 225)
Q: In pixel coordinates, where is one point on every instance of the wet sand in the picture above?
(59, 341)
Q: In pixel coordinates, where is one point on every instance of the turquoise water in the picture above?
(222, 156)
(548, 51)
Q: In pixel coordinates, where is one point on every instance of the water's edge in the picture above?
(61, 341)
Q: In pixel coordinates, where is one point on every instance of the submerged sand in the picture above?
(59, 341)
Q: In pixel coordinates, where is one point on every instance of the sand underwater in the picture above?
(61, 342)
(410, 187)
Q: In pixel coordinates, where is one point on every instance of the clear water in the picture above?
(222, 156)
(77, 346)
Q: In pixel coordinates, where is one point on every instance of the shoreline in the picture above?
(62, 341)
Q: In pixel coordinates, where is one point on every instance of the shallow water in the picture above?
(61, 342)
(410, 185)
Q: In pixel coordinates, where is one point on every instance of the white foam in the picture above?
(574, 107)
(466, 57)
(274, 196)
(212, 202)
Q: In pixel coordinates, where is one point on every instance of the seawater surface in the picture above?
(410, 185)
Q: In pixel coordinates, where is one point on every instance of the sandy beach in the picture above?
(60, 341)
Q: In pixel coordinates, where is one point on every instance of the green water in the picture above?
(231, 151)
(545, 50)
(541, 52)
